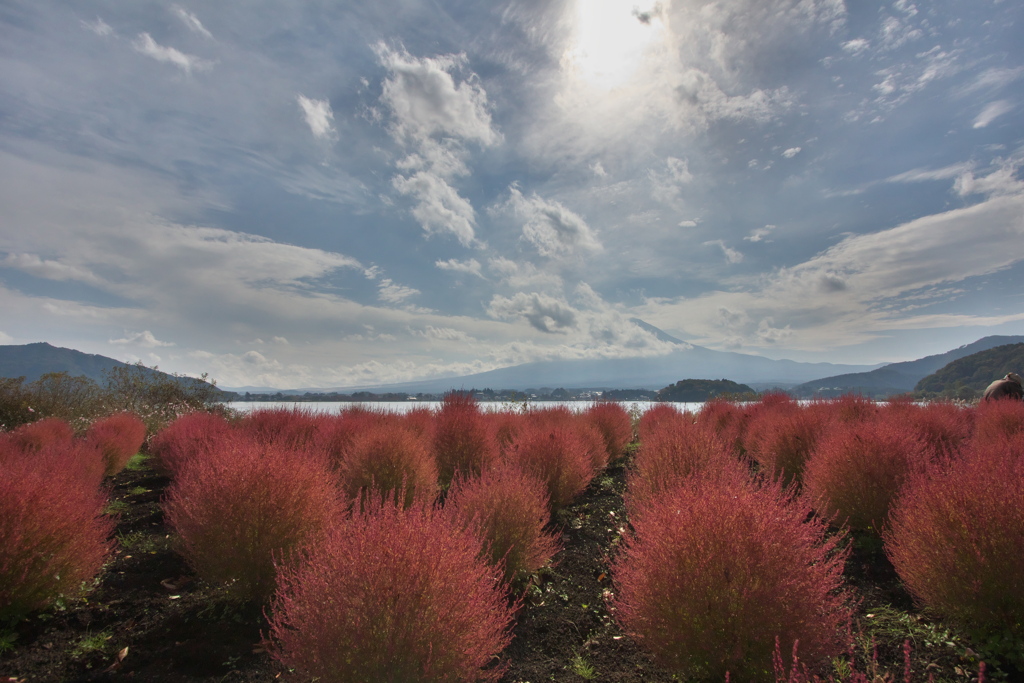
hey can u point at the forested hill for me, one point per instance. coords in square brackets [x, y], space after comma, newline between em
[32, 361]
[967, 377]
[697, 390]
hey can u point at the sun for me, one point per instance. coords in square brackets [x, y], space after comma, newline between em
[610, 41]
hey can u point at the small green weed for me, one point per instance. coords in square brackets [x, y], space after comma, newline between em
[139, 542]
[139, 461]
[116, 507]
[94, 642]
[7, 638]
[137, 490]
[582, 668]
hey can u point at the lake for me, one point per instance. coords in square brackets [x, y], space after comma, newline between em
[335, 407]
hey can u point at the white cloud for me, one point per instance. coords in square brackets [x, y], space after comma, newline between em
[925, 174]
[426, 101]
[991, 112]
[471, 266]
[1000, 182]
[394, 293]
[551, 228]
[731, 255]
[791, 152]
[319, 117]
[144, 339]
[758, 234]
[439, 207]
[447, 334]
[99, 27]
[856, 46]
[49, 269]
[191, 21]
[544, 313]
[145, 44]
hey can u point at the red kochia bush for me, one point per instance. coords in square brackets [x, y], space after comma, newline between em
[944, 426]
[53, 536]
[464, 441]
[713, 573]
[246, 506]
[191, 436]
[727, 419]
[75, 458]
[781, 436]
[999, 421]
[294, 427]
[657, 414]
[35, 435]
[394, 594]
[557, 454]
[857, 469]
[388, 458]
[508, 510]
[615, 425]
[118, 437]
[672, 452]
[956, 538]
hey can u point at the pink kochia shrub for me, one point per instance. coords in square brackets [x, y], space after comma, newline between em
[956, 538]
[118, 437]
[713, 573]
[660, 413]
[615, 426]
[672, 452]
[389, 459]
[556, 453]
[53, 535]
[508, 510]
[191, 436]
[999, 421]
[463, 439]
[944, 426]
[245, 507]
[75, 458]
[399, 595]
[781, 436]
[857, 469]
[293, 428]
[33, 436]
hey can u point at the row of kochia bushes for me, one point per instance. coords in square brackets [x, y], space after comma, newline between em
[391, 547]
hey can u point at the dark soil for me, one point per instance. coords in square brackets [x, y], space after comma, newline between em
[148, 619]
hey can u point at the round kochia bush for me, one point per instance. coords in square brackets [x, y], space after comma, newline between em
[558, 454]
[464, 441]
[246, 506]
[615, 425]
[388, 458]
[957, 541]
[53, 535]
[193, 435]
[508, 509]
[118, 437]
[394, 595]
[857, 469]
[713, 572]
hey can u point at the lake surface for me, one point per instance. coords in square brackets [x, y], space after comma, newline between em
[335, 407]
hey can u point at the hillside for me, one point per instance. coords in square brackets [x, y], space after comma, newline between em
[32, 361]
[896, 378]
[698, 390]
[967, 377]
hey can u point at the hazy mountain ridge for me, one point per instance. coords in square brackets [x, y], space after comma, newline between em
[899, 377]
[967, 377]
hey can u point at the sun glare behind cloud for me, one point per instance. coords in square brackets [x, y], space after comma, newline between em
[610, 42]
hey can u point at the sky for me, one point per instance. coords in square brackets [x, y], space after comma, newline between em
[333, 194]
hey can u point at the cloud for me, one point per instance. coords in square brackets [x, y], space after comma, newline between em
[731, 255]
[426, 101]
[394, 293]
[99, 27]
[791, 152]
[543, 312]
[439, 207]
[856, 46]
[924, 174]
[49, 269]
[471, 266]
[550, 227]
[319, 117]
[991, 112]
[758, 234]
[145, 44]
[447, 334]
[144, 339]
[1000, 182]
[191, 21]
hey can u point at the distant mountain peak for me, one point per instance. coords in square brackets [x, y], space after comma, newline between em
[662, 335]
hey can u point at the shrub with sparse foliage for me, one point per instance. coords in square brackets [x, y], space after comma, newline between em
[394, 595]
[713, 573]
[509, 510]
[245, 507]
